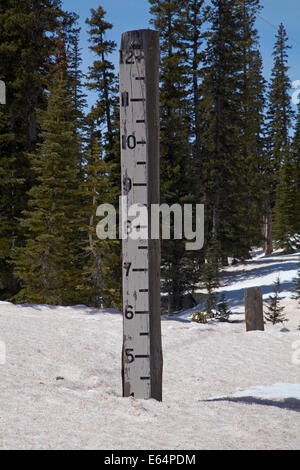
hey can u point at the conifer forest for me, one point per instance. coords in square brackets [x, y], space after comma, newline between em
[229, 139]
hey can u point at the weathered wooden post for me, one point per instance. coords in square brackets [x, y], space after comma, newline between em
[139, 119]
[2, 92]
[254, 309]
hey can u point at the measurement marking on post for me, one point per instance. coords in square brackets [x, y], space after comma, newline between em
[125, 99]
[139, 116]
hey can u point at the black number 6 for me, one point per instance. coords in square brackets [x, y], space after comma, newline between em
[129, 312]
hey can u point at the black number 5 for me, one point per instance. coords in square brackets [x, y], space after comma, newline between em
[129, 356]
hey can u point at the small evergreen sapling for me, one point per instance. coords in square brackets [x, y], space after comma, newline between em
[296, 289]
[223, 311]
[211, 277]
[199, 317]
[274, 312]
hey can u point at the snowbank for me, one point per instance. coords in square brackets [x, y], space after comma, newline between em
[223, 388]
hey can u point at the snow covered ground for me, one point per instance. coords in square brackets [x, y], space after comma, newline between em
[223, 388]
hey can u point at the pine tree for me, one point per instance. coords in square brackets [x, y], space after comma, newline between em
[101, 76]
[251, 99]
[280, 116]
[286, 224]
[192, 19]
[47, 265]
[232, 99]
[274, 311]
[296, 178]
[297, 286]
[287, 210]
[280, 113]
[76, 76]
[103, 119]
[99, 285]
[26, 48]
[180, 269]
[210, 280]
[210, 276]
[223, 311]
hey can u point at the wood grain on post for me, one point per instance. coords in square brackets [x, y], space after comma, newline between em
[2, 92]
[139, 84]
[254, 309]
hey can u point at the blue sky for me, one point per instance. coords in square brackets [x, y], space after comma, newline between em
[126, 15]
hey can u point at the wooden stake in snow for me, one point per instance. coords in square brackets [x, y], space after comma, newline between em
[2, 92]
[254, 309]
[139, 118]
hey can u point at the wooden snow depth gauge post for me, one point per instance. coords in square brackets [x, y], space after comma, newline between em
[139, 119]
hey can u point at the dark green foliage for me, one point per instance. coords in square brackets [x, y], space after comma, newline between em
[210, 276]
[180, 269]
[281, 157]
[76, 76]
[199, 316]
[287, 209]
[232, 106]
[274, 312]
[296, 177]
[103, 172]
[58, 165]
[26, 53]
[101, 77]
[223, 311]
[48, 263]
[279, 113]
[99, 285]
[297, 287]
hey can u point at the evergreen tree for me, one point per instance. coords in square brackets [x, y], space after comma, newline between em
[296, 177]
[76, 76]
[297, 287]
[103, 119]
[26, 52]
[232, 104]
[286, 224]
[48, 264]
[210, 276]
[101, 76]
[210, 279]
[279, 123]
[180, 269]
[280, 112]
[192, 19]
[251, 99]
[99, 286]
[287, 209]
[223, 311]
[274, 311]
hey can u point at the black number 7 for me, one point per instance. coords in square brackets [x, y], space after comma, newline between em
[127, 266]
